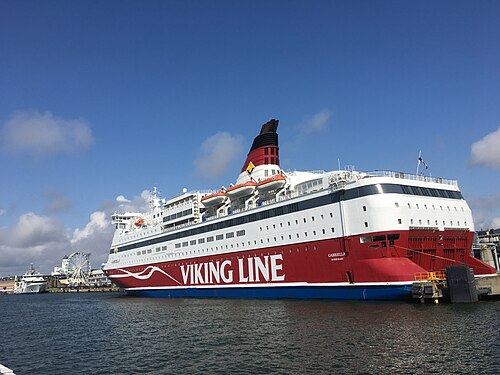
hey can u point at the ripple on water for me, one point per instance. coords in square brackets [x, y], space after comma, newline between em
[111, 334]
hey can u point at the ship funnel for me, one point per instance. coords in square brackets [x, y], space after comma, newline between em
[263, 158]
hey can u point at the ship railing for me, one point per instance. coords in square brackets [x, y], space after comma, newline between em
[410, 176]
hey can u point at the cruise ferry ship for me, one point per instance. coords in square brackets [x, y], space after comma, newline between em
[341, 234]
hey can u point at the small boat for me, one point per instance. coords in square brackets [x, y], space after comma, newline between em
[214, 199]
[30, 282]
[139, 222]
[273, 183]
[241, 190]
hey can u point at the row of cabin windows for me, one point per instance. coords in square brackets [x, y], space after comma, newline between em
[228, 246]
[420, 222]
[297, 221]
[209, 239]
[425, 207]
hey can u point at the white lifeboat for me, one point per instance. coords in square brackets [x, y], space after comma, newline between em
[273, 183]
[215, 199]
[241, 190]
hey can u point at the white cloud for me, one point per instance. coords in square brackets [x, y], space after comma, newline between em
[122, 199]
[42, 134]
[33, 239]
[2, 211]
[316, 122]
[43, 240]
[486, 152]
[217, 154]
[98, 221]
[485, 210]
[495, 223]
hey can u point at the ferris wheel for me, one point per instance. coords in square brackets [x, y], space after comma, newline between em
[78, 268]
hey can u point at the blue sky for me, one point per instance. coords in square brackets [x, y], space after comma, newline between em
[104, 99]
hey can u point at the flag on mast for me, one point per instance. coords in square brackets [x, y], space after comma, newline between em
[421, 161]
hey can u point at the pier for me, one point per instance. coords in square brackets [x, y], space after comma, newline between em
[456, 285]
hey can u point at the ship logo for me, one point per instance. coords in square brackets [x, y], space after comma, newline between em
[144, 274]
[250, 167]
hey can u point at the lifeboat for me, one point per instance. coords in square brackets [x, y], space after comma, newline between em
[139, 222]
[215, 199]
[273, 183]
[241, 190]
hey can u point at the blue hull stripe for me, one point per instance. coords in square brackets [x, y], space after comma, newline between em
[392, 292]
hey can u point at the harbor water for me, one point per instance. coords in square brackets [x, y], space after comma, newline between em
[108, 333]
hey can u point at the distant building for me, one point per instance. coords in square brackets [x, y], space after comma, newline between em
[98, 278]
[64, 269]
[487, 247]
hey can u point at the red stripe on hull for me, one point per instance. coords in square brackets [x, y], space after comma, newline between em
[371, 258]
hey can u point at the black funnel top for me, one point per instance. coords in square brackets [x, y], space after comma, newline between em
[267, 135]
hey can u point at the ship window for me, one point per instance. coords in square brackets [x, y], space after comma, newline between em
[177, 245]
[296, 222]
[219, 237]
[366, 224]
[333, 230]
[201, 240]
[266, 151]
[184, 244]
[323, 231]
[272, 150]
[289, 236]
[304, 220]
[266, 160]
[143, 252]
[297, 235]
[240, 233]
[158, 249]
[230, 235]
[266, 173]
[314, 232]
[164, 248]
[312, 218]
[138, 253]
[364, 208]
[396, 204]
[331, 214]
[210, 239]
